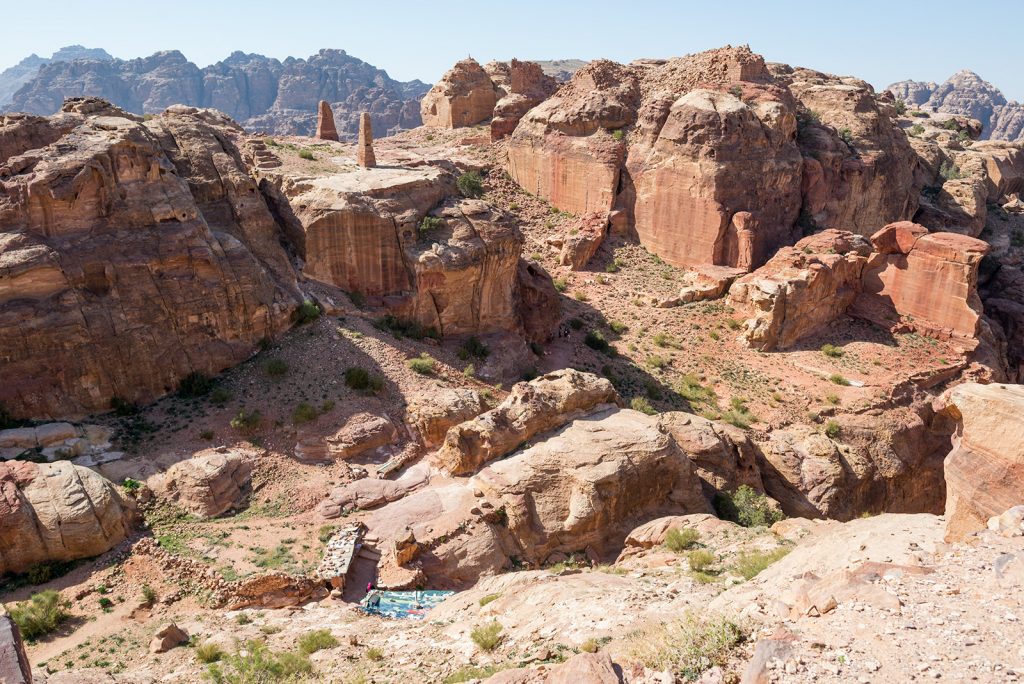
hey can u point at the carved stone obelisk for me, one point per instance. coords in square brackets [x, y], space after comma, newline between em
[325, 128]
[366, 157]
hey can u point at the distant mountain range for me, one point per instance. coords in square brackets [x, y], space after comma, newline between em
[261, 93]
[24, 71]
[967, 94]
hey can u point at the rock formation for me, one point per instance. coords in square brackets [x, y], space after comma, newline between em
[985, 470]
[464, 96]
[430, 416]
[578, 489]
[13, 78]
[133, 255]
[210, 483]
[14, 663]
[262, 93]
[365, 152]
[909, 277]
[56, 512]
[520, 87]
[325, 128]
[532, 407]
[932, 279]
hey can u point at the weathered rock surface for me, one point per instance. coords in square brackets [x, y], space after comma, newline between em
[985, 470]
[801, 289]
[56, 512]
[520, 87]
[543, 404]
[132, 255]
[262, 93]
[858, 171]
[369, 492]
[583, 668]
[464, 96]
[431, 415]
[585, 237]
[167, 637]
[14, 664]
[210, 483]
[908, 277]
[931, 279]
[361, 433]
[723, 455]
[583, 487]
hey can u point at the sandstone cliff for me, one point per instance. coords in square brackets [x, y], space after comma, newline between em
[133, 255]
[262, 93]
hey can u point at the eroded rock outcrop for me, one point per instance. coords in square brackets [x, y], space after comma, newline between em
[531, 408]
[56, 512]
[210, 483]
[520, 87]
[133, 254]
[908, 277]
[985, 470]
[583, 487]
[14, 664]
[464, 96]
[801, 289]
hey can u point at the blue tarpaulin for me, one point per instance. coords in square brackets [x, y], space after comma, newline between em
[410, 605]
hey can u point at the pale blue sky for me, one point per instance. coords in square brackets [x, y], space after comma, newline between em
[878, 41]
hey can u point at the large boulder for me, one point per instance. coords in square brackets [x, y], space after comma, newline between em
[580, 490]
[985, 470]
[131, 254]
[932, 279]
[520, 86]
[57, 512]
[542, 404]
[464, 96]
[801, 289]
[430, 416]
[724, 456]
[210, 483]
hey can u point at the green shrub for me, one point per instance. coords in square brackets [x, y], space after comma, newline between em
[596, 341]
[475, 348]
[838, 379]
[679, 540]
[560, 284]
[41, 573]
[276, 368]
[916, 130]
[148, 594]
[832, 429]
[738, 414]
[642, 405]
[255, 663]
[700, 560]
[195, 384]
[317, 640]
[658, 362]
[736, 91]
[470, 184]
[618, 134]
[423, 364]
[246, 421]
[488, 636]
[590, 646]
[613, 266]
[375, 654]
[209, 652]
[361, 379]
[410, 329]
[617, 327]
[106, 604]
[307, 312]
[746, 507]
[831, 351]
[949, 171]
[306, 154]
[130, 485]
[304, 413]
[430, 223]
[687, 647]
[42, 614]
[488, 599]
[468, 673]
[220, 396]
[695, 393]
[750, 563]
[901, 107]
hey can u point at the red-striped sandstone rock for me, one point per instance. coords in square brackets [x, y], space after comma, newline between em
[131, 254]
[910, 277]
[56, 512]
[985, 470]
[464, 96]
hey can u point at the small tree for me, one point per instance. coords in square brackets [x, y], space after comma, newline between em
[470, 184]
